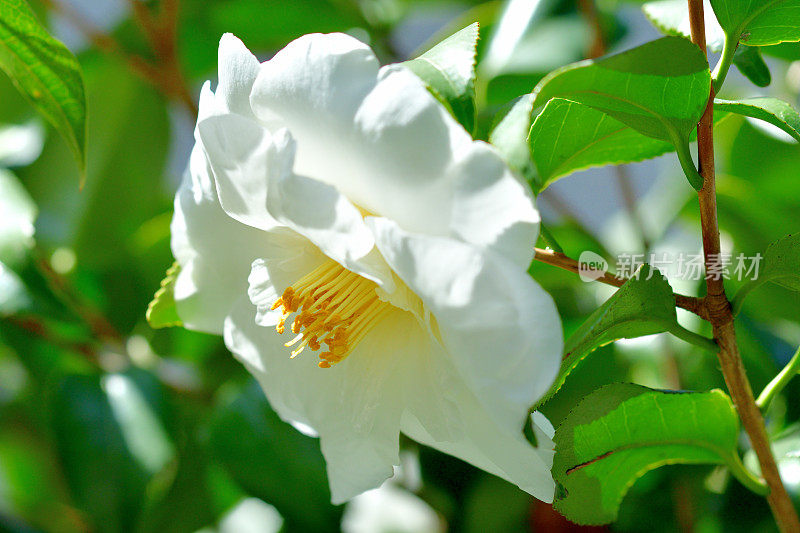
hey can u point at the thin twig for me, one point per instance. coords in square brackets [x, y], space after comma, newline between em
[719, 308]
[556, 259]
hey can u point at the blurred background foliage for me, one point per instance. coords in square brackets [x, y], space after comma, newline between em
[108, 425]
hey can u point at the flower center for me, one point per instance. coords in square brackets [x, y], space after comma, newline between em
[334, 307]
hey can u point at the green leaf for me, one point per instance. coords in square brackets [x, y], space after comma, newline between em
[780, 264]
[111, 443]
[510, 137]
[272, 461]
[671, 17]
[45, 72]
[772, 110]
[120, 253]
[640, 307]
[759, 22]
[448, 69]
[750, 63]
[660, 89]
[162, 313]
[568, 136]
[621, 431]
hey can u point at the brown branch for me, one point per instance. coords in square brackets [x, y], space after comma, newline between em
[719, 308]
[588, 9]
[689, 303]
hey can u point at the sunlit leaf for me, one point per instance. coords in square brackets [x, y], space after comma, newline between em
[162, 313]
[510, 137]
[759, 22]
[448, 69]
[568, 136]
[660, 89]
[773, 110]
[645, 305]
[621, 431]
[45, 71]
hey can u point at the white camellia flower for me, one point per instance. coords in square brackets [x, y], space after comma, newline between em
[339, 200]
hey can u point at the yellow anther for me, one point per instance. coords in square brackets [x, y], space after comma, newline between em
[334, 307]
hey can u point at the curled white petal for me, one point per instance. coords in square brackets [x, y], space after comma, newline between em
[501, 328]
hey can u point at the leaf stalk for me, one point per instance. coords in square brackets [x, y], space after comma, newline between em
[745, 477]
[780, 381]
[724, 63]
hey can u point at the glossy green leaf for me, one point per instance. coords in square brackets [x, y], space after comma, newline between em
[45, 72]
[510, 137]
[759, 22]
[621, 431]
[568, 136]
[645, 305]
[750, 63]
[671, 17]
[272, 461]
[448, 69]
[162, 313]
[660, 89]
[773, 110]
[780, 264]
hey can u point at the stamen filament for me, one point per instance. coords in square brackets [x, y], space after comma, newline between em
[335, 307]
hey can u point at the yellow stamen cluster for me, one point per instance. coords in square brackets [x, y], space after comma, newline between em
[334, 307]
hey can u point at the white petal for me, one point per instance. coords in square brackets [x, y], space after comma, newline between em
[314, 84]
[501, 328]
[287, 258]
[422, 170]
[473, 434]
[244, 157]
[355, 406]
[491, 207]
[327, 218]
[387, 144]
[214, 251]
[238, 69]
